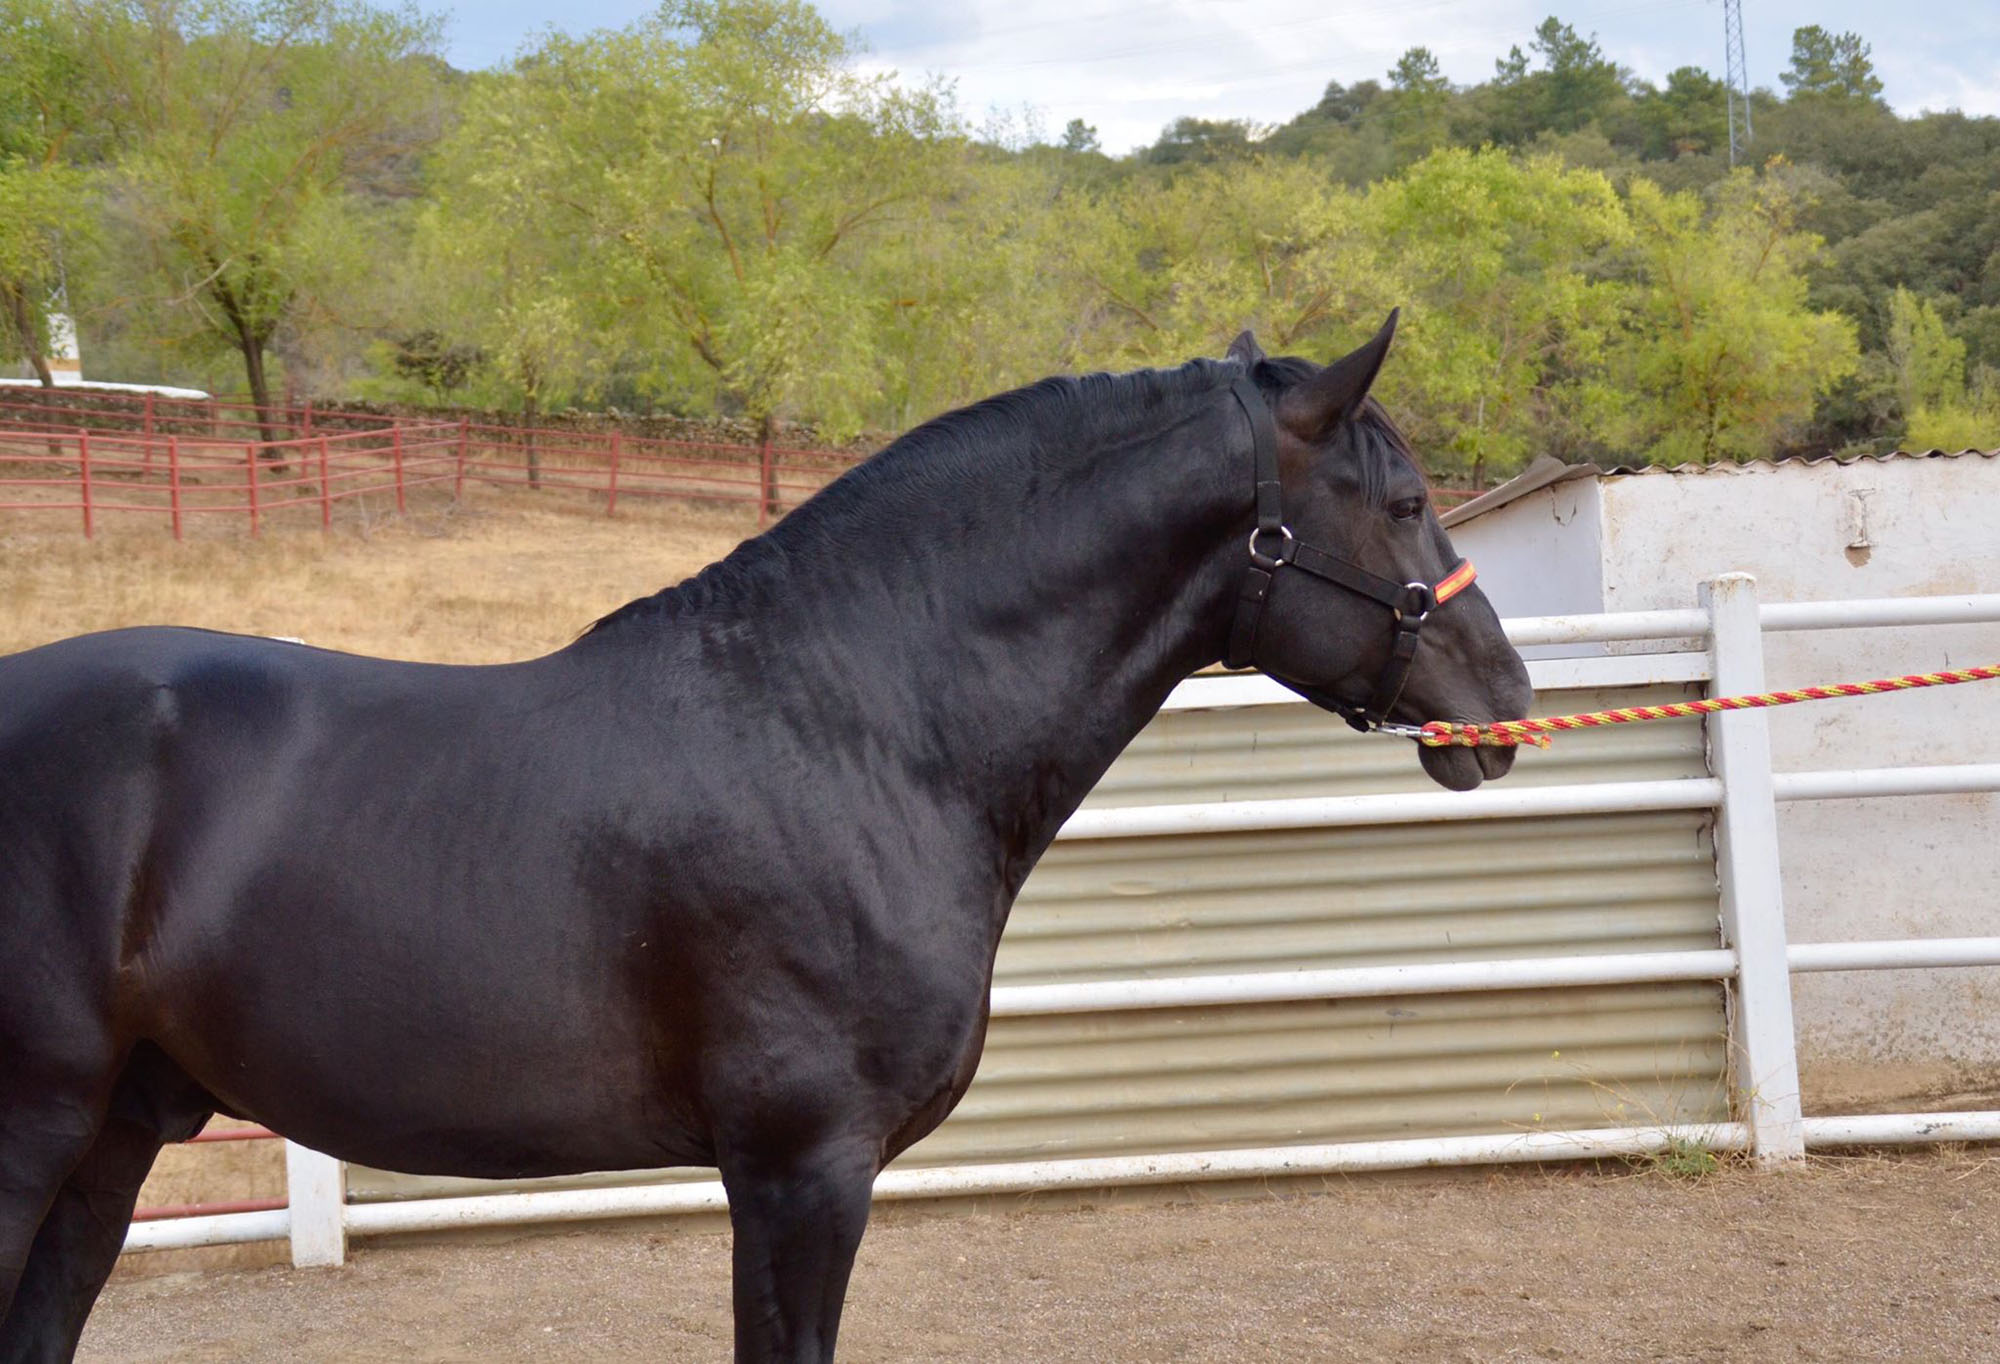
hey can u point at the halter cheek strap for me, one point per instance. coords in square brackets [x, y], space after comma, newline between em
[1273, 546]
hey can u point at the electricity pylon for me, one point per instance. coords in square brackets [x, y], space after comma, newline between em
[1736, 77]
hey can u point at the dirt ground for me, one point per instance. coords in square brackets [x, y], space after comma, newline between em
[1870, 1258]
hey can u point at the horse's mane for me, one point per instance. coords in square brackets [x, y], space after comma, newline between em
[895, 492]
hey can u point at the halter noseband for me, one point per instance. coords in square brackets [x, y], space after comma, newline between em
[1273, 546]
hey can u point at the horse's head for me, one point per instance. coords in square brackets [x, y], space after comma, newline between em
[1366, 609]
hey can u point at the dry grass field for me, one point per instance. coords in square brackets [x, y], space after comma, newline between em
[504, 576]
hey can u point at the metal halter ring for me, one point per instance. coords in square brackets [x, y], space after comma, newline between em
[1266, 561]
[1425, 595]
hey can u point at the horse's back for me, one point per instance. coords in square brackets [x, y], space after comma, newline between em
[95, 730]
[141, 771]
[83, 727]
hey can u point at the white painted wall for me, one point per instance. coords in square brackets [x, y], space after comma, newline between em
[1920, 867]
[1540, 555]
[1915, 867]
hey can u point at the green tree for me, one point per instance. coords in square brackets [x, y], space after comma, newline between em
[243, 124]
[1940, 410]
[1198, 141]
[1576, 85]
[45, 206]
[1417, 72]
[1507, 102]
[1348, 103]
[974, 297]
[1830, 66]
[1079, 136]
[1689, 116]
[1177, 267]
[1727, 349]
[1351, 133]
[1419, 103]
[496, 266]
[728, 176]
[41, 209]
[1499, 261]
[1929, 361]
[433, 360]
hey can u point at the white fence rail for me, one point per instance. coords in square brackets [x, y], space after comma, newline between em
[1754, 957]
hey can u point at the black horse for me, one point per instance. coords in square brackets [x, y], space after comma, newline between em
[718, 884]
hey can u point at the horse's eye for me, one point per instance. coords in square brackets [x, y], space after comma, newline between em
[1408, 509]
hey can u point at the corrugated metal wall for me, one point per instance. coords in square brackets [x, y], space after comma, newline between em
[1319, 1071]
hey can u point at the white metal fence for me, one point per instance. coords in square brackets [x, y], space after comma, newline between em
[1753, 957]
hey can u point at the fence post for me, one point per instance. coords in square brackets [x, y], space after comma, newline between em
[767, 494]
[396, 449]
[83, 471]
[250, 458]
[316, 1188]
[1764, 1069]
[149, 419]
[464, 440]
[325, 490]
[174, 482]
[611, 497]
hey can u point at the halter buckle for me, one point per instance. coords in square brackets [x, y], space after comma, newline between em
[1419, 600]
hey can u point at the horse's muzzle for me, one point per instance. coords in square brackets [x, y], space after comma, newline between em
[1461, 769]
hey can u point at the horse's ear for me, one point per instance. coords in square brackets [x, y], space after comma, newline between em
[1312, 409]
[1246, 350]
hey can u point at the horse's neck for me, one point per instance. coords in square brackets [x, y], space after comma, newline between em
[1002, 640]
[1072, 617]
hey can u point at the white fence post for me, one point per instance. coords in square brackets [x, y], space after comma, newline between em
[1764, 1070]
[316, 1186]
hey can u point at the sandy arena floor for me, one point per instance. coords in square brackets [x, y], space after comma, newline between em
[1863, 1259]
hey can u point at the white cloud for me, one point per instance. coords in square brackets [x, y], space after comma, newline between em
[1132, 66]
[1969, 94]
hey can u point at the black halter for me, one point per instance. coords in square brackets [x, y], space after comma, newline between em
[1273, 546]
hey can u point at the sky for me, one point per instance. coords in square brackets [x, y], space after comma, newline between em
[1130, 67]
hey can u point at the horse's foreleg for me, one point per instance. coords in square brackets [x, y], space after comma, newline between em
[83, 1231]
[797, 1221]
[76, 1247]
[41, 1140]
[54, 1082]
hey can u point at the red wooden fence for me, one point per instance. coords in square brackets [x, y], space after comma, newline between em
[92, 473]
[92, 455]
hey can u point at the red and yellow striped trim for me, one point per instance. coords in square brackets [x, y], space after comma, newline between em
[1510, 733]
[1455, 582]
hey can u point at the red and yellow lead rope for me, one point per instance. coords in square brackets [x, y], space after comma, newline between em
[1510, 733]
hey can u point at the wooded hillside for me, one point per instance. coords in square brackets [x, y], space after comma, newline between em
[713, 212]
